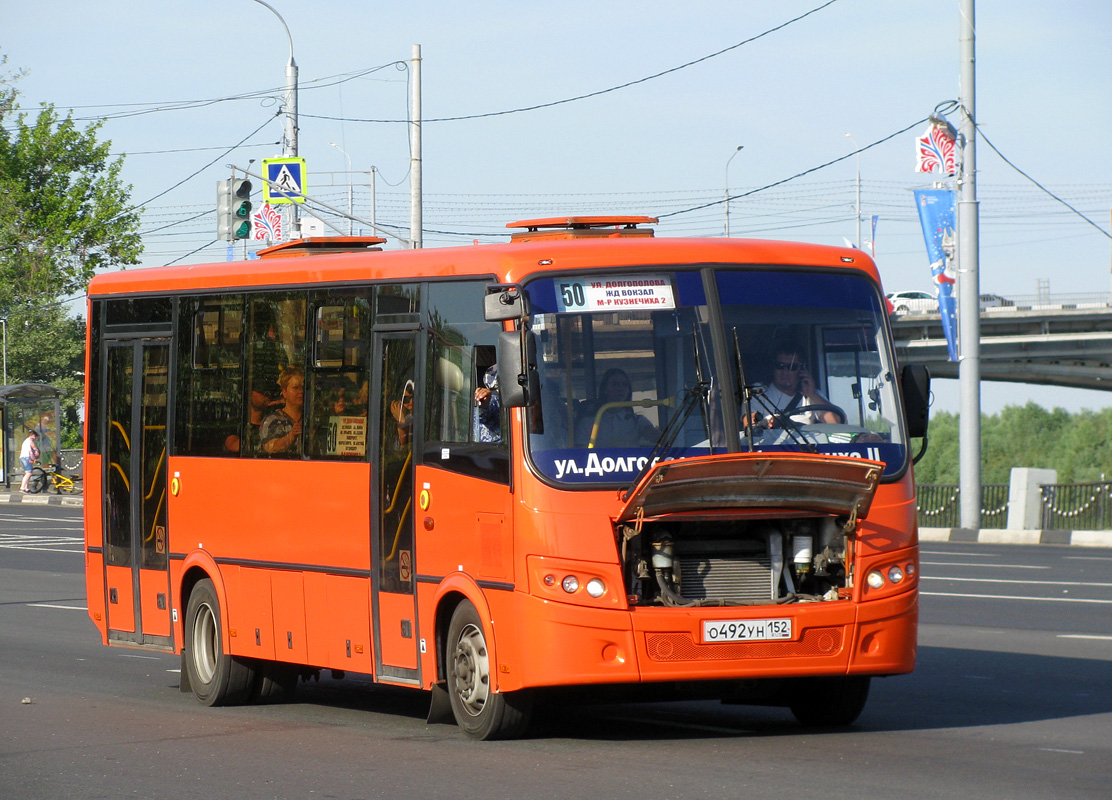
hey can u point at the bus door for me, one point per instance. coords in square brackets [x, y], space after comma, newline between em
[136, 544]
[393, 562]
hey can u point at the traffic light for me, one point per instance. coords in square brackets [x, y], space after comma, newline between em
[233, 209]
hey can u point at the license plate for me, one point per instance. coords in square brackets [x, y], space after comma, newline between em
[746, 630]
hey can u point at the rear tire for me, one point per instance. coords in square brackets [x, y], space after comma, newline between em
[37, 482]
[275, 682]
[829, 702]
[217, 679]
[479, 711]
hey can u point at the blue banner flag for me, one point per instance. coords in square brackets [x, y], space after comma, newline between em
[936, 213]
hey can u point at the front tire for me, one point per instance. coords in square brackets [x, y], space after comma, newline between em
[829, 702]
[217, 679]
[480, 711]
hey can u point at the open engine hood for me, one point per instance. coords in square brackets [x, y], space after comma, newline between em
[788, 481]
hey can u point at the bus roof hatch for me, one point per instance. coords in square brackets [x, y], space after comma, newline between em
[581, 228]
[323, 245]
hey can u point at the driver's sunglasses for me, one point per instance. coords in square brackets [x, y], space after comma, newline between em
[793, 366]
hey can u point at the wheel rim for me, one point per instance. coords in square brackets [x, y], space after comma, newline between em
[205, 643]
[472, 670]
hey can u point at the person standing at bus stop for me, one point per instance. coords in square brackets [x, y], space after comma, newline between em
[28, 455]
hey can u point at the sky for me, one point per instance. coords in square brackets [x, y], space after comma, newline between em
[533, 109]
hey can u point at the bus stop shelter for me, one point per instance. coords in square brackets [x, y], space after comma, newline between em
[25, 407]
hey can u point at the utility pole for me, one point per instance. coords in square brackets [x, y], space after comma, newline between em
[857, 207]
[415, 221]
[969, 291]
[740, 147]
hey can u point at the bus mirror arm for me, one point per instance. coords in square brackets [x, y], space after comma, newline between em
[504, 301]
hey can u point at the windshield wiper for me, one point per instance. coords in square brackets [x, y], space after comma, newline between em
[744, 393]
[697, 393]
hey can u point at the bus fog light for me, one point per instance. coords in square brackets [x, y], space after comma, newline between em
[596, 588]
[549, 580]
[875, 579]
[895, 574]
[910, 570]
[570, 584]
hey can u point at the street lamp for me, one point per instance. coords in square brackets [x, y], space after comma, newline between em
[858, 205]
[351, 219]
[289, 137]
[740, 147]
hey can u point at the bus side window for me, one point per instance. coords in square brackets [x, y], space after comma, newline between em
[461, 350]
[275, 370]
[336, 401]
[209, 406]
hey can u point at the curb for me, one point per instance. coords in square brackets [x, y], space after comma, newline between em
[16, 497]
[985, 536]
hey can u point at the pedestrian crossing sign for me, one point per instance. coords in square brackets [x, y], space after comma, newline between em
[285, 180]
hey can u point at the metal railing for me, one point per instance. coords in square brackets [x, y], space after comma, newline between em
[1076, 506]
[939, 505]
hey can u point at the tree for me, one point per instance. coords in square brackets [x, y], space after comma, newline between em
[64, 214]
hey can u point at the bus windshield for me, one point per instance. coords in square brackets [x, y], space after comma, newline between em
[650, 364]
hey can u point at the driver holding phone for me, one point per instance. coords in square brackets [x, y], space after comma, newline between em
[792, 387]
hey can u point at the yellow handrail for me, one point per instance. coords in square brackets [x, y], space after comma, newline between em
[668, 401]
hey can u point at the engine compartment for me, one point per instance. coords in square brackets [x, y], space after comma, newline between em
[761, 560]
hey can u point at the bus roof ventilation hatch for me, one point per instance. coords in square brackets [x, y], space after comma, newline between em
[581, 228]
[323, 245]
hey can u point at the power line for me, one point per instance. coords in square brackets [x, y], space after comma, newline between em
[1028, 177]
[598, 93]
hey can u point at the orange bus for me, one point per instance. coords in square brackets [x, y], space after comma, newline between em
[489, 472]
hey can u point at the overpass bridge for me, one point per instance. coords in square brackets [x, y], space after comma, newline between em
[1053, 340]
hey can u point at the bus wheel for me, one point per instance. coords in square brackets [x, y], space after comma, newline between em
[217, 679]
[479, 711]
[829, 702]
[274, 682]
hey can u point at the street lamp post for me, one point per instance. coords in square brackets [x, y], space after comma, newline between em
[740, 147]
[857, 206]
[289, 137]
[351, 218]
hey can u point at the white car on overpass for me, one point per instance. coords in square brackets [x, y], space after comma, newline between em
[912, 302]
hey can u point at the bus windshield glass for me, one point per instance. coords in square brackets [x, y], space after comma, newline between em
[651, 364]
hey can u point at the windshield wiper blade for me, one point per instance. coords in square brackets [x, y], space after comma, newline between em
[696, 393]
[744, 393]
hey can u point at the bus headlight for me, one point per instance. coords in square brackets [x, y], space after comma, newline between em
[895, 574]
[570, 584]
[874, 579]
[596, 588]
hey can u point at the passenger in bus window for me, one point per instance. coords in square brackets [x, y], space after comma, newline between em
[791, 387]
[402, 412]
[281, 431]
[267, 360]
[619, 425]
[488, 408]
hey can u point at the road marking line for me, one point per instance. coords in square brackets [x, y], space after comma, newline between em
[53, 605]
[1012, 580]
[980, 566]
[1017, 597]
[1059, 750]
[1084, 636]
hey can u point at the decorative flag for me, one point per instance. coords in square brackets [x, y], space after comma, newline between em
[935, 151]
[267, 224]
[936, 213]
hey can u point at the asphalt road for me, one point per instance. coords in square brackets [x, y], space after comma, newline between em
[1012, 698]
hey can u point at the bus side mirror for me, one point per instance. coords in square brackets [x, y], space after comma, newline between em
[518, 383]
[504, 301]
[915, 381]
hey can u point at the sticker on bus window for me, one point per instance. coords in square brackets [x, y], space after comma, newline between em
[617, 293]
[347, 436]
